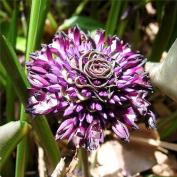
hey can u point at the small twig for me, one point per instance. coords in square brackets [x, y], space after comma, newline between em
[156, 143]
[60, 168]
[72, 166]
[41, 163]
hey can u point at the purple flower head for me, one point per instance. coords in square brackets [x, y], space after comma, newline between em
[96, 82]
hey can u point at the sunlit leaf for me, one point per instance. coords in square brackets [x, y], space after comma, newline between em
[21, 43]
[52, 20]
[10, 134]
[163, 75]
[36, 25]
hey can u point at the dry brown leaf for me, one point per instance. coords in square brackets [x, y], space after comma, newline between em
[167, 165]
[116, 158]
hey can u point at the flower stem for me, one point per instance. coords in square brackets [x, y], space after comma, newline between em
[83, 155]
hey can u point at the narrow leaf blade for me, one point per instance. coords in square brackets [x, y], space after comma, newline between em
[15, 71]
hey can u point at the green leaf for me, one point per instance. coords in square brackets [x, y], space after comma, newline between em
[21, 43]
[168, 126]
[15, 71]
[36, 25]
[46, 140]
[40, 124]
[10, 93]
[52, 20]
[3, 71]
[84, 22]
[22, 150]
[38, 15]
[123, 22]
[113, 16]
[7, 6]
[3, 77]
[10, 134]
[21, 159]
[160, 9]
[165, 31]
[12, 32]
[8, 167]
[4, 27]
[2, 82]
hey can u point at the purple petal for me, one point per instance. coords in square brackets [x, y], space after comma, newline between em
[121, 130]
[69, 110]
[99, 37]
[89, 118]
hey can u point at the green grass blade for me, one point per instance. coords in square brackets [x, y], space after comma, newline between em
[46, 140]
[160, 9]
[21, 157]
[2, 82]
[163, 37]
[8, 168]
[94, 9]
[123, 22]
[7, 6]
[38, 15]
[15, 71]
[2, 77]
[12, 33]
[113, 16]
[10, 134]
[3, 71]
[80, 7]
[52, 20]
[23, 18]
[10, 93]
[21, 44]
[168, 126]
[22, 148]
[121, 28]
